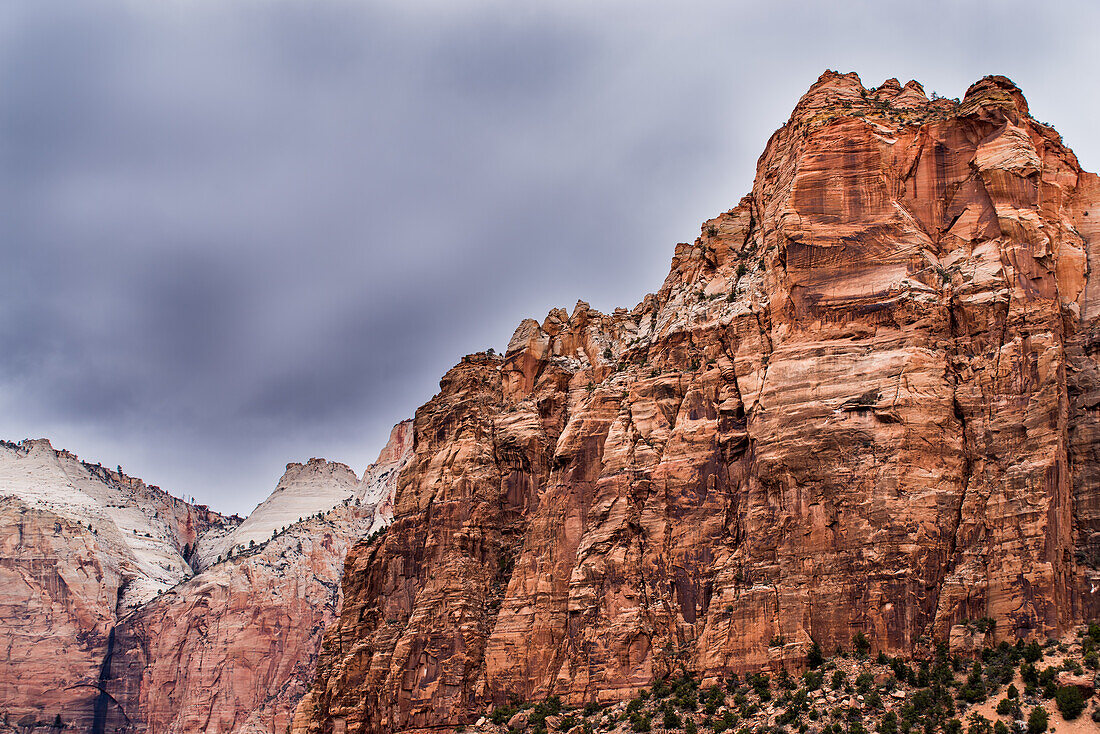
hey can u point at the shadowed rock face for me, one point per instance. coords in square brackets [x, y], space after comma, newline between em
[864, 400]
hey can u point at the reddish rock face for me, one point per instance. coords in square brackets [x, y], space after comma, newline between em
[864, 400]
[108, 629]
[233, 649]
[80, 546]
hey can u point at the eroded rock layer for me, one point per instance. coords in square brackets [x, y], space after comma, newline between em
[864, 400]
[80, 546]
[233, 649]
[128, 610]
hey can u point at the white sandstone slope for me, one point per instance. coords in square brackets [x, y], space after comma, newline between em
[380, 479]
[118, 615]
[316, 487]
[80, 546]
[304, 490]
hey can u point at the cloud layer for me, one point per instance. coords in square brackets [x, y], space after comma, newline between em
[236, 234]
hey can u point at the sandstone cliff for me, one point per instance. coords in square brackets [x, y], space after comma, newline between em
[80, 546]
[107, 626]
[233, 649]
[864, 400]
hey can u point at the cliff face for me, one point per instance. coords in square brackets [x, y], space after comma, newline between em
[80, 546]
[233, 649]
[864, 400]
[107, 625]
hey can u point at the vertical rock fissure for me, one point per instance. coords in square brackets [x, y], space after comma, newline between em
[968, 450]
[103, 699]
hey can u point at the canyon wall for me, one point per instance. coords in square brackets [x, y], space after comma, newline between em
[864, 400]
[80, 546]
[128, 610]
[233, 649]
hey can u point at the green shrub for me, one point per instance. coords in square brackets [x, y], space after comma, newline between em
[501, 715]
[1033, 653]
[974, 689]
[1037, 721]
[759, 681]
[814, 657]
[979, 725]
[689, 726]
[725, 723]
[1070, 702]
[985, 624]
[1005, 707]
[1046, 677]
[861, 644]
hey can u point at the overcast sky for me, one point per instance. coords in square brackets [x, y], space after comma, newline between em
[236, 234]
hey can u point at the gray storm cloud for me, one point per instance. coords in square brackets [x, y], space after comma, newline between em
[237, 234]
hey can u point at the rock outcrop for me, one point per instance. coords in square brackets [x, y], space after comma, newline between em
[233, 649]
[109, 628]
[80, 546]
[863, 401]
[317, 486]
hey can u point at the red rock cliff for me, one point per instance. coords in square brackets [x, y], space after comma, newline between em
[864, 400]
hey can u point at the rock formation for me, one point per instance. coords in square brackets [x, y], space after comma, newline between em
[234, 648]
[107, 626]
[864, 400]
[80, 546]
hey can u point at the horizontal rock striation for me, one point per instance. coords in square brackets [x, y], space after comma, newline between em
[107, 625]
[864, 400]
